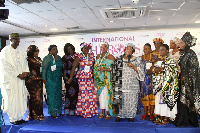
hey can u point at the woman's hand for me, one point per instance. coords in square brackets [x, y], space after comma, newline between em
[158, 70]
[101, 69]
[69, 81]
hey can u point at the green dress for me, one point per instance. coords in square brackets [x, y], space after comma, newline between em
[54, 84]
[103, 79]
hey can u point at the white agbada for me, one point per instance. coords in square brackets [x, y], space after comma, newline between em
[14, 93]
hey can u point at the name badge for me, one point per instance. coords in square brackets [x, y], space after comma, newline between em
[148, 65]
[158, 64]
[53, 68]
[87, 68]
[40, 69]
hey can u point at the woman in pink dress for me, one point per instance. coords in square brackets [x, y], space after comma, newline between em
[87, 100]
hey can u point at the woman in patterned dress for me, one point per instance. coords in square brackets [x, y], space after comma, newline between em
[165, 80]
[128, 70]
[103, 83]
[72, 88]
[175, 53]
[34, 84]
[87, 100]
[52, 77]
[148, 99]
[189, 100]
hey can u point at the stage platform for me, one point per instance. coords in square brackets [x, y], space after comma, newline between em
[77, 124]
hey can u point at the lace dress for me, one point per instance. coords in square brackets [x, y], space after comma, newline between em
[54, 84]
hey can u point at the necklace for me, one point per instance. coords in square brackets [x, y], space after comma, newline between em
[87, 58]
[149, 57]
[101, 59]
[38, 60]
[162, 57]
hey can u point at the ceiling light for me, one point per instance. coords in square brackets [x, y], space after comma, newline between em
[111, 21]
[46, 25]
[197, 21]
[158, 19]
[53, 29]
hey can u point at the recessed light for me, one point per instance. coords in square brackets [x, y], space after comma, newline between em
[197, 21]
[53, 29]
[158, 19]
[46, 25]
[111, 21]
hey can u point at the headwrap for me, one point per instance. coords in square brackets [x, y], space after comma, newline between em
[176, 40]
[158, 40]
[50, 47]
[106, 43]
[30, 50]
[13, 35]
[166, 46]
[130, 44]
[85, 44]
[189, 39]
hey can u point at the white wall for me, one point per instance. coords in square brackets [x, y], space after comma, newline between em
[116, 41]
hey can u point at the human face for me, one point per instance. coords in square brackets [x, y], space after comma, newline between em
[163, 51]
[146, 49]
[172, 44]
[70, 51]
[85, 50]
[129, 50]
[157, 44]
[15, 41]
[36, 53]
[54, 51]
[182, 44]
[103, 48]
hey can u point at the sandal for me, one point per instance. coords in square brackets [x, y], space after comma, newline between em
[157, 120]
[108, 117]
[101, 116]
[151, 118]
[144, 117]
[163, 122]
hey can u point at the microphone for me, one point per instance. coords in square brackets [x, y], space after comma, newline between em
[129, 56]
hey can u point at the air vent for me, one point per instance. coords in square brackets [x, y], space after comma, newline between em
[124, 13]
[27, 1]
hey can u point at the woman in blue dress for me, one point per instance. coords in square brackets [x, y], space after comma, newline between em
[52, 77]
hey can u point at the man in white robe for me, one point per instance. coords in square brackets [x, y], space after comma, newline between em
[13, 71]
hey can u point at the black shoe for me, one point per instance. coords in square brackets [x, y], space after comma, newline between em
[16, 123]
[131, 119]
[22, 121]
[118, 119]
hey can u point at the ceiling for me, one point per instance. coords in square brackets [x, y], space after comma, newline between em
[55, 17]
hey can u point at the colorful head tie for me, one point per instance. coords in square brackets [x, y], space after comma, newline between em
[106, 43]
[189, 39]
[85, 44]
[176, 40]
[158, 40]
[130, 44]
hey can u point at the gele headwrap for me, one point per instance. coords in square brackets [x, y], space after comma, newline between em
[176, 40]
[189, 39]
[158, 40]
[106, 43]
[85, 44]
[130, 44]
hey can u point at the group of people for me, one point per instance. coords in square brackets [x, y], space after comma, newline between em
[166, 81]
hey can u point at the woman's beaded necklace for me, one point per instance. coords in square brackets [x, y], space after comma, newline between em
[101, 59]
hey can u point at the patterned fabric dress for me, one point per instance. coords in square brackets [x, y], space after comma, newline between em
[54, 84]
[147, 87]
[103, 81]
[35, 88]
[127, 86]
[189, 102]
[72, 88]
[166, 89]
[87, 100]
